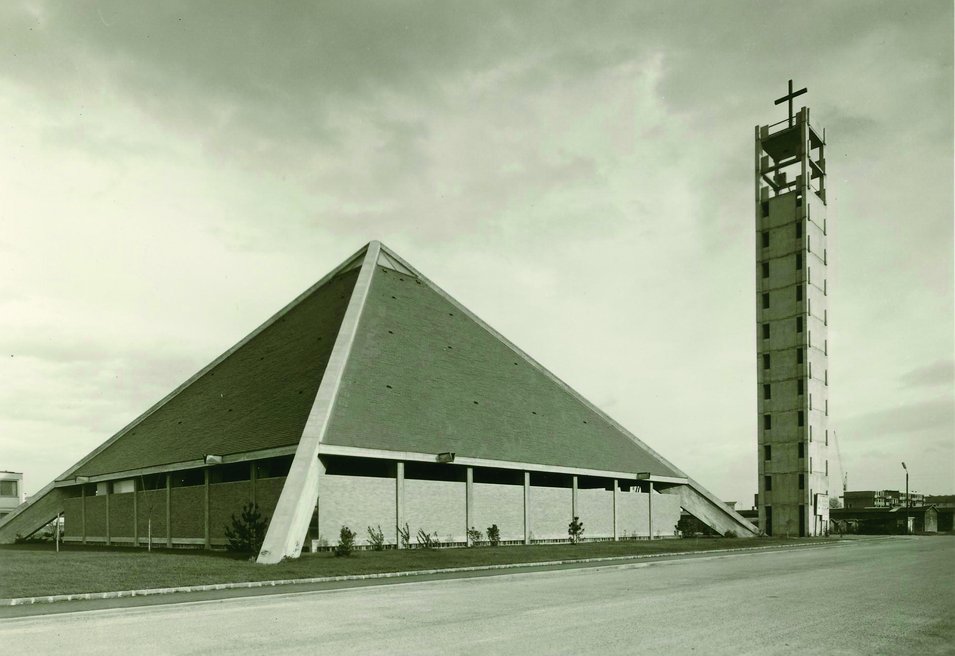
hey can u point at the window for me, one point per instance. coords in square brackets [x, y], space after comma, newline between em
[8, 489]
[800, 418]
[801, 448]
[825, 376]
[798, 324]
[798, 261]
[766, 300]
[768, 483]
[800, 387]
[827, 467]
[765, 360]
[765, 269]
[765, 207]
[767, 393]
[798, 229]
[799, 356]
[827, 437]
[765, 238]
[798, 292]
[767, 452]
[765, 331]
[767, 422]
[802, 481]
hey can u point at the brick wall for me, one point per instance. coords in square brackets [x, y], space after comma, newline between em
[437, 507]
[595, 509]
[152, 504]
[188, 512]
[357, 502]
[121, 516]
[500, 504]
[73, 517]
[224, 500]
[267, 492]
[550, 512]
[96, 517]
[632, 517]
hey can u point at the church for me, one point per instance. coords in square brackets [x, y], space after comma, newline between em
[374, 399]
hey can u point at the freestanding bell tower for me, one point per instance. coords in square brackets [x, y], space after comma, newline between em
[791, 315]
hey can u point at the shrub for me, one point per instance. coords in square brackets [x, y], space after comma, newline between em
[730, 534]
[493, 535]
[405, 536]
[247, 531]
[376, 538]
[427, 540]
[575, 530]
[346, 542]
[474, 536]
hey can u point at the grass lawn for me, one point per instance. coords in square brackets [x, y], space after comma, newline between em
[36, 570]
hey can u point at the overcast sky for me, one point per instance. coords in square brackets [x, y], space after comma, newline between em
[580, 175]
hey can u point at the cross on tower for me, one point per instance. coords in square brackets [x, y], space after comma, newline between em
[789, 96]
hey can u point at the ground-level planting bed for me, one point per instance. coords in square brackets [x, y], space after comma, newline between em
[37, 570]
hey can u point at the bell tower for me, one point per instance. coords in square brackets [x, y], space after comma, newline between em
[792, 318]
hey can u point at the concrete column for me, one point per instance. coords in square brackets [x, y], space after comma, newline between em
[169, 510]
[399, 501]
[83, 511]
[206, 540]
[615, 486]
[318, 501]
[135, 515]
[109, 493]
[573, 496]
[469, 502]
[527, 499]
[650, 508]
[252, 476]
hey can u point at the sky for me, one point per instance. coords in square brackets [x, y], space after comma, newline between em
[579, 175]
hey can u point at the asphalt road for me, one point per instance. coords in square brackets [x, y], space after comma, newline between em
[886, 596]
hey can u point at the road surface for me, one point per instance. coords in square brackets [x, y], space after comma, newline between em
[884, 596]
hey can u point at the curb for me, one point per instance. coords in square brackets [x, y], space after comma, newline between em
[120, 594]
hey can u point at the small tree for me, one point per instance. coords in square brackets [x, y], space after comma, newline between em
[493, 535]
[346, 542]
[247, 531]
[404, 534]
[474, 536]
[376, 538]
[427, 540]
[575, 530]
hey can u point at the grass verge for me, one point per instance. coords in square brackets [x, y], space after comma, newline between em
[37, 570]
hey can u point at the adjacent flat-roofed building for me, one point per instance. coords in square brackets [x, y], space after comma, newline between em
[11, 492]
[373, 399]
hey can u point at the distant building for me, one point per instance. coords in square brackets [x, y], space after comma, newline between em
[945, 504]
[882, 499]
[885, 521]
[11, 491]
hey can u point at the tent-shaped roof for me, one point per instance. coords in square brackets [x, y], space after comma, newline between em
[422, 375]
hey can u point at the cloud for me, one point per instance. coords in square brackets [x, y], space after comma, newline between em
[939, 373]
[929, 415]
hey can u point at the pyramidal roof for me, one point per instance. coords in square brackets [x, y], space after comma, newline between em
[376, 357]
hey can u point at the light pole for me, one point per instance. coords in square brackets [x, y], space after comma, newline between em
[907, 504]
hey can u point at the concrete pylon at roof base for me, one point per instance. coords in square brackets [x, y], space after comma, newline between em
[374, 398]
